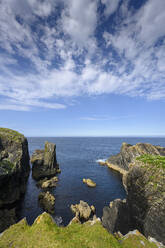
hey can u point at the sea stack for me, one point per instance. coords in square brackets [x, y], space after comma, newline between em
[44, 163]
[14, 171]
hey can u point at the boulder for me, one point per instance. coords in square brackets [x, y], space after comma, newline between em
[83, 211]
[14, 171]
[48, 183]
[44, 163]
[47, 201]
[129, 152]
[89, 182]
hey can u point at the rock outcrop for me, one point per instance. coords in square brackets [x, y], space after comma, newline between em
[89, 182]
[83, 211]
[44, 163]
[47, 183]
[144, 182]
[129, 152]
[14, 171]
[47, 201]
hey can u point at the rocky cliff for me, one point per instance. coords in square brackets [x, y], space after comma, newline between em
[144, 208]
[14, 171]
[44, 162]
[129, 152]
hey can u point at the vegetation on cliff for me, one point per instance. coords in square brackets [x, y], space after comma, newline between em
[45, 233]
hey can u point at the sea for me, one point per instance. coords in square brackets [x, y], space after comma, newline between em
[79, 158]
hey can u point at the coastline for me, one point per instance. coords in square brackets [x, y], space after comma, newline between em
[114, 167]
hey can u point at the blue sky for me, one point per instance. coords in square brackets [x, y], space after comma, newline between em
[83, 67]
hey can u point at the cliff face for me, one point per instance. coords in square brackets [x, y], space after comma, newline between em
[14, 170]
[129, 152]
[144, 181]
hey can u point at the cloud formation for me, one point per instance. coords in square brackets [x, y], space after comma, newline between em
[55, 50]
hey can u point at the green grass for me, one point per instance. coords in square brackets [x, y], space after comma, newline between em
[44, 233]
[11, 134]
[154, 171]
[154, 160]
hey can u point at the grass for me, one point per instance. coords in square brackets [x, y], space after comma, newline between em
[44, 233]
[154, 160]
[154, 166]
[11, 134]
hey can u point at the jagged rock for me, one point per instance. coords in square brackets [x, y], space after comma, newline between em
[44, 163]
[45, 183]
[89, 182]
[129, 152]
[83, 211]
[47, 201]
[14, 171]
[116, 217]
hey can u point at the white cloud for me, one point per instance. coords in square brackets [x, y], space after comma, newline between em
[79, 20]
[61, 65]
[110, 6]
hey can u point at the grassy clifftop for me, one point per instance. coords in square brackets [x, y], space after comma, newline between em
[44, 233]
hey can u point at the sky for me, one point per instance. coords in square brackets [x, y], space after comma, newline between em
[83, 67]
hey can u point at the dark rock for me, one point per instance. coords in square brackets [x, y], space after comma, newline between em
[44, 162]
[14, 171]
[116, 217]
[7, 218]
[129, 152]
[47, 201]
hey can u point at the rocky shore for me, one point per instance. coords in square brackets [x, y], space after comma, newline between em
[144, 181]
[143, 212]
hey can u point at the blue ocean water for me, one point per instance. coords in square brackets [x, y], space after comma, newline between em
[78, 159]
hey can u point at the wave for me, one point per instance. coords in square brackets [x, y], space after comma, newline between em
[101, 160]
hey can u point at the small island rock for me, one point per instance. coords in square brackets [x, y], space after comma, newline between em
[83, 211]
[89, 182]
